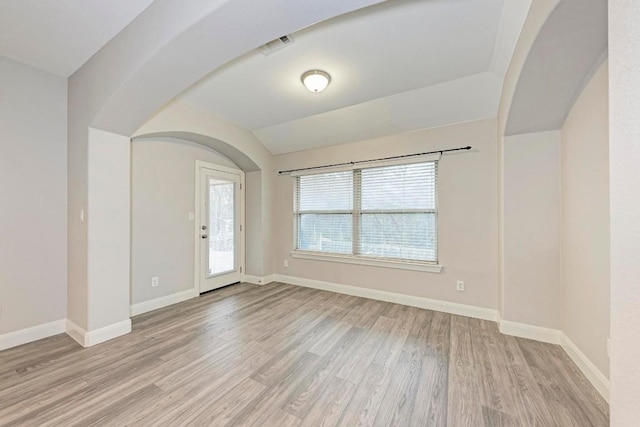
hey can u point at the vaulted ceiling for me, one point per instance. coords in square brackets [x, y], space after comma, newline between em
[398, 66]
[60, 35]
[569, 48]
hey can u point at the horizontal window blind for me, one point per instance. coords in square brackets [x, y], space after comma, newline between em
[386, 212]
[324, 211]
[398, 212]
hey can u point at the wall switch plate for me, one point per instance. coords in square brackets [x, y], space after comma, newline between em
[191, 216]
[460, 285]
[155, 281]
[608, 347]
[81, 215]
[286, 263]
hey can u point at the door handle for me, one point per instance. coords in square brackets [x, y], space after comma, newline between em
[204, 236]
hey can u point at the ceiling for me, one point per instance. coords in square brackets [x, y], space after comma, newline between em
[398, 66]
[570, 47]
[60, 35]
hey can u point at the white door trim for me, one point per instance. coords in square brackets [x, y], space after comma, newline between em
[197, 220]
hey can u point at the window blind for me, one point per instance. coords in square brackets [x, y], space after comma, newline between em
[385, 212]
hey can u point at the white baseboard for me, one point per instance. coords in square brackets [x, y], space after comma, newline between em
[555, 336]
[420, 302]
[522, 330]
[107, 333]
[154, 304]
[76, 332]
[254, 280]
[593, 374]
[257, 280]
[34, 333]
[536, 333]
[91, 338]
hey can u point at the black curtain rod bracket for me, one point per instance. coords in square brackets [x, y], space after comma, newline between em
[376, 160]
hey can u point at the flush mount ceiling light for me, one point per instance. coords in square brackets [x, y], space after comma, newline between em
[316, 80]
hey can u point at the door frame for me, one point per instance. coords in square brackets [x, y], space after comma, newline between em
[197, 220]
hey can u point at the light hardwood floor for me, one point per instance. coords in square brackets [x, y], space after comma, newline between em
[281, 355]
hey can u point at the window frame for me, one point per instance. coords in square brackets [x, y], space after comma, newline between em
[356, 212]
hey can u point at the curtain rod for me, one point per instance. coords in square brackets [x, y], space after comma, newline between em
[376, 160]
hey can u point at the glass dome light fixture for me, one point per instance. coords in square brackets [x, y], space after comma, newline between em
[316, 80]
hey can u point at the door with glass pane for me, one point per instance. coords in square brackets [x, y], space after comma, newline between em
[220, 228]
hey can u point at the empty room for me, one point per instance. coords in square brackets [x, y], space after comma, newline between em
[336, 213]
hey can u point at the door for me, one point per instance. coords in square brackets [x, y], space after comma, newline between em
[219, 227]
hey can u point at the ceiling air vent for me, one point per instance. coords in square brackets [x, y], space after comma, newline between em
[275, 45]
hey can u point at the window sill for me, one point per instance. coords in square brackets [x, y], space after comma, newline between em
[348, 259]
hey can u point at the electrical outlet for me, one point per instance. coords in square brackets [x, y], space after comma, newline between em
[286, 263]
[460, 285]
[155, 282]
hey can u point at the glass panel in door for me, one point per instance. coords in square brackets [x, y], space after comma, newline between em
[221, 227]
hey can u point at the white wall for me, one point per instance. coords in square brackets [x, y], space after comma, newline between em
[585, 221]
[468, 215]
[109, 234]
[624, 161]
[243, 147]
[162, 196]
[33, 201]
[255, 234]
[77, 192]
[537, 15]
[168, 47]
[532, 248]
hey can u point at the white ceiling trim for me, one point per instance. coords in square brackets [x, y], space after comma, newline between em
[514, 13]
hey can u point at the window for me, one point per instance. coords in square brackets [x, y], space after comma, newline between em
[373, 213]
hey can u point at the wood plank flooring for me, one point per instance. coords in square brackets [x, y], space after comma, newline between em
[280, 355]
